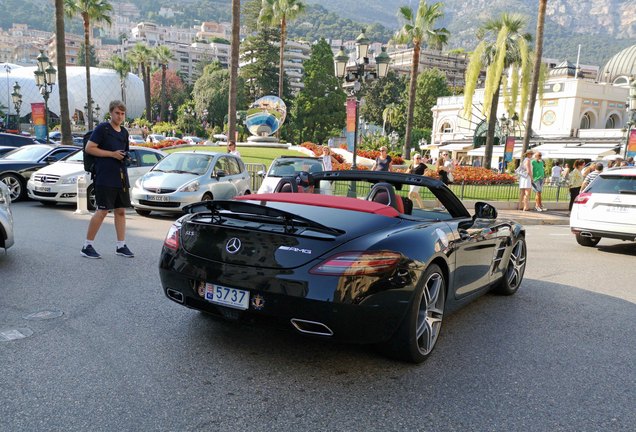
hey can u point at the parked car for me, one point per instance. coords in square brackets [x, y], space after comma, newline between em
[136, 139]
[55, 136]
[155, 138]
[16, 167]
[287, 166]
[186, 177]
[6, 218]
[5, 149]
[13, 140]
[606, 208]
[57, 183]
[368, 269]
[192, 140]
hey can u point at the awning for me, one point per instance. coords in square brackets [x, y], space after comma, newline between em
[497, 151]
[456, 146]
[552, 151]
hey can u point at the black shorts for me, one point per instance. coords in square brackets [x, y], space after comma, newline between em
[108, 198]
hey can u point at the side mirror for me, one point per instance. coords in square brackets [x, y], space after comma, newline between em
[260, 173]
[131, 162]
[485, 211]
[50, 159]
[220, 173]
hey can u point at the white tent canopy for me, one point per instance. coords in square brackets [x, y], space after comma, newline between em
[559, 151]
[497, 151]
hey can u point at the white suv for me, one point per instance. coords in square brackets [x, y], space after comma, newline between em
[606, 208]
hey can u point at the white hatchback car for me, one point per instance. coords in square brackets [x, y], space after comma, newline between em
[288, 166]
[57, 183]
[188, 177]
[606, 208]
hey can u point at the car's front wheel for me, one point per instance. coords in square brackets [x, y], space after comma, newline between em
[415, 340]
[15, 185]
[513, 274]
[587, 241]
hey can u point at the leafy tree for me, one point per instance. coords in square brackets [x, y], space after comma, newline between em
[122, 67]
[431, 84]
[380, 94]
[211, 93]
[176, 90]
[164, 55]
[81, 56]
[95, 11]
[502, 45]
[234, 62]
[278, 12]
[141, 56]
[418, 28]
[258, 54]
[319, 106]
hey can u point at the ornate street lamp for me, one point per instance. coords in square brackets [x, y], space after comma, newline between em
[45, 79]
[170, 112]
[358, 73]
[17, 101]
[631, 113]
[97, 110]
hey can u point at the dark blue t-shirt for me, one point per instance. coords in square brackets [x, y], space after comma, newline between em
[109, 171]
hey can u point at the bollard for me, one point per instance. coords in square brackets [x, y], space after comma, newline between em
[82, 197]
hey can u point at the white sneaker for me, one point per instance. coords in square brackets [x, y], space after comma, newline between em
[537, 208]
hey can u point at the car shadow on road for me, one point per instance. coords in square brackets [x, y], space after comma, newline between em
[627, 248]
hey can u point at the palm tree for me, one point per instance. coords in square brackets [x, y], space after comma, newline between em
[60, 49]
[95, 11]
[277, 13]
[122, 67]
[417, 29]
[538, 52]
[141, 56]
[502, 45]
[390, 115]
[163, 56]
[234, 60]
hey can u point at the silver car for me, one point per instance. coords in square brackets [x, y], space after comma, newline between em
[6, 218]
[187, 177]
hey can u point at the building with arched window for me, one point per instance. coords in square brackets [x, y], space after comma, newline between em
[577, 116]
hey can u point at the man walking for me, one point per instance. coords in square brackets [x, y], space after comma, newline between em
[109, 145]
[538, 177]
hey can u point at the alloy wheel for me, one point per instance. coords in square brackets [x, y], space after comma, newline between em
[430, 314]
[516, 264]
[14, 185]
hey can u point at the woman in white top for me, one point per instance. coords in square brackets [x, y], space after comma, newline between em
[327, 158]
[525, 181]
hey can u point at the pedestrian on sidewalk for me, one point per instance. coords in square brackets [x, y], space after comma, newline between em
[382, 162]
[109, 144]
[538, 178]
[576, 180]
[417, 168]
[592, 176]
[525, 181]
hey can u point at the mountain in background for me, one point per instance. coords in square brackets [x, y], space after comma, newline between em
[601, 27]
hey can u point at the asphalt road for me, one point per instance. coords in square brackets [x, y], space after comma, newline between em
[106, 351]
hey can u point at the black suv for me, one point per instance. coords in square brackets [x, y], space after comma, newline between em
[13, 140]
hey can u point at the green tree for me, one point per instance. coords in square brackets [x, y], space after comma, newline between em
[141, 56]
[380, 94]
[259, 58]
[81, 56]
[418, 29]
[319, 106]
[91, 11]
[502, 45]
[278, 13]
[62, 83]
[233, 92]
[431, 84]
[122, 67]
[164, 55]
[211, 93]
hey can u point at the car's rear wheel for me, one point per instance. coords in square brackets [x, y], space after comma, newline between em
[415, 340]
[587, 241]
[15, 185]
[513, 274]
[91, 201]
[142, 212]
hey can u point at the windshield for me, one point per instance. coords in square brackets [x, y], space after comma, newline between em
[613, 184]
[290, 167]
[190, 163]
[77, 157]
[28, 153]
[137, 137]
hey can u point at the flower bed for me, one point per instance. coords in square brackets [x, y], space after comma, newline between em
[476, 176]
[369, 154]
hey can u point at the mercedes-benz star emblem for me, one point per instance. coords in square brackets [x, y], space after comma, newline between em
[233, 245]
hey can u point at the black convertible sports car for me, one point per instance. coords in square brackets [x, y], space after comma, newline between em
[345, 255]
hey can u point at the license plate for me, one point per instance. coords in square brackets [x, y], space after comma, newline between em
[617, 209]
[232, 297]
[160, 198]
[42, 189]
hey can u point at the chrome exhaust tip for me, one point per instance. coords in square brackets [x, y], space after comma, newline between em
[586, 234]
[175, 295]
[311, 327]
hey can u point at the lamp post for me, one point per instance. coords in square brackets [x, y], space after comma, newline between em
[17, 102]
[45, 80]
[7, 69]
[358, 74]
[631, 113]
[170, 112]
[97, 110]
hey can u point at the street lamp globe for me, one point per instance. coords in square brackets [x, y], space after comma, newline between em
[362, 46]
[340, 63]
[382, 61]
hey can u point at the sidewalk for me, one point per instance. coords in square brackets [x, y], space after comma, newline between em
[550, 217]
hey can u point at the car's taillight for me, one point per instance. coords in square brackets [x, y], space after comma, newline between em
[582, 198]
[358, 263]
[172, 238]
